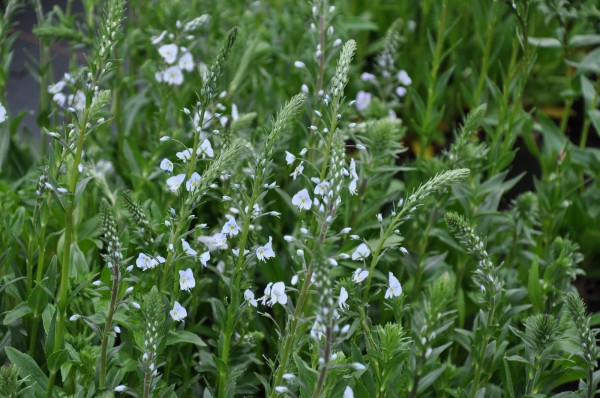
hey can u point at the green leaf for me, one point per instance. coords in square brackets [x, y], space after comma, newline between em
[56, 359]
[534, 289]
[544, 42]
[80, 188]
[17, 313]
[429, 379]
[594, 115]
[183, 336]
[28, 368]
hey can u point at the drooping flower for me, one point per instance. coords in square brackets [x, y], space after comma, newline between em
[343, 298]
[193, 183]
[186, 280]
[265, 252]
[184, 155]
[173, 76]
[360, 275]
[289, 158]
[168, 52]
[348, 393]
[361, 252]
[297, 171]
[166, 165]
[302, 200]
[394, 289]
[204, 258]
[178, 313]
[187, 248]
[175, 182]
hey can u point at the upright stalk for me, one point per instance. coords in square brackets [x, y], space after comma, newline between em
[107, 325]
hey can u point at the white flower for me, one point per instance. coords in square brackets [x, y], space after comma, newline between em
[56, 88]
[184, 155]
[173, 76]
[277, 294]
[120, 388]
[186, 62]
[77, 100]
[166, 165]
[299, 64]
[404, 79]
[363, 100]
[403, 250]
[204, 258]
[205, 149]
[394, 289]
[294, 280]
[297, 171]
[220, 241]
[193, 183]
[361, 252]
[175, 182]
[322, 188]
[186, 280]
[360, 275]
[348, 393]
[358, 366]
[289, 158]
[230, 227]
[379, 217]
[367, 77]
[75, 317]
[302, 200]
[187, 248]
[178, 312]
[59, 98]
[265, 252]
[157, 39]
[159, 76]
[168, 52]
[400, 91]
[281, 389]
[343, 298]
[249, 297]
[145, 262]
[288, 376]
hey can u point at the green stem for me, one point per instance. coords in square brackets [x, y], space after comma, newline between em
[482, 350]
[291, 335]
[325, 366]
[106, 331]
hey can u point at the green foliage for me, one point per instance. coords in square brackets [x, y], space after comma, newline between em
[326, 199]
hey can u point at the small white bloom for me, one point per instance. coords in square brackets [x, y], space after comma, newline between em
[348, 393]
[59, 98]
[322, 188]
[204, 258]
[361, 252]
[249, 297]
[277, 294]
[404, 79]
[178, 312]
[299, 64]
[205, 149]
[175, 182]
[297, 171]
[400, 91]
[294, 280]
[360, 275]
[159, 76]
[288, 238]
[173, 76]
[168, 52]
[230, 227]
[288, 376]
[186, 280]
[74, 317]
[289, 158]
[358, 366]
[304, 89]
[145, 262]
[56, 88]
[403, 250]
[367, 77]
[263, 253]
[166, 165]
[363, 100]
[219, 241]
[281, 389]
[302, 200]
[379, 217]
[186, 62]
[193, 183]
[187, 248]
[120, 388]
[343, 298]
[394, 289]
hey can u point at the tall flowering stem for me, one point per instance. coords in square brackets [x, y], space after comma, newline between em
[113, 258]
[486, 277]
[284, 118]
